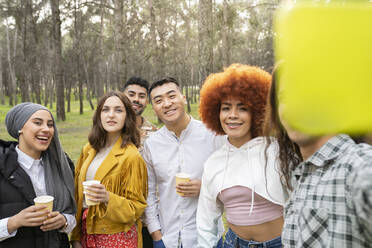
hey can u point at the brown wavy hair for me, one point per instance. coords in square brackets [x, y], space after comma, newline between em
[249, 84]
[289, 152]
[130, 133]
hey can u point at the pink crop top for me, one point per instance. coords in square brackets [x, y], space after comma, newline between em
[237, 202]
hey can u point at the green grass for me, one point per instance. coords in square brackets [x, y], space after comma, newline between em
[73, 132]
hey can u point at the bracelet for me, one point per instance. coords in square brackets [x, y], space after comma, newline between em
[65, 225]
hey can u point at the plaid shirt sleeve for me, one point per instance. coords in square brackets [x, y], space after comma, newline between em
[361, 192]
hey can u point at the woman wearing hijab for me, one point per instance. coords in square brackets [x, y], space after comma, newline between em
[34, 166]
[112, 158]
[236, 177]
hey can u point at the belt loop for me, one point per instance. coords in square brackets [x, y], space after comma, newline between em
[236, 241]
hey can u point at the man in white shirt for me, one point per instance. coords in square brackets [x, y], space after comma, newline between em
[182, 145]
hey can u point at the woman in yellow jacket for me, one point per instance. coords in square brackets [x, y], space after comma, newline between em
[111, 157]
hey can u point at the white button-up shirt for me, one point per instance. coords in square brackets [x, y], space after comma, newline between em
[35, 170]
[166, 155]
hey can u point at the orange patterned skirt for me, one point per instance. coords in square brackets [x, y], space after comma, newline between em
[122, 239]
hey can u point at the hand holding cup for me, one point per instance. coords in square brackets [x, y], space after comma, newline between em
[95, 193]
[31, 216]
[186, 187]
[55, 220]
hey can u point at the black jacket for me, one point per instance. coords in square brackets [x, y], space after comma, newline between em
[16, 194]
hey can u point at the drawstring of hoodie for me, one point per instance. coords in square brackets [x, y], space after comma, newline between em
[225, 168]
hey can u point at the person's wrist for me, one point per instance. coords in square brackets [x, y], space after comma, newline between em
[157, 235]
[12, 224]
[65, 225]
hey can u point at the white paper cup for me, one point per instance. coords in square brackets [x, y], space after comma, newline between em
[45, 200]
[180, 178]
[86, 185]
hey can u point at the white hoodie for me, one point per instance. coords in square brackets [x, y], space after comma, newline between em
[228, 167]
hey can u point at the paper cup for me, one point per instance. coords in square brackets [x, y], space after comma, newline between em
[86, 185]
[180, 178]
[45, 200]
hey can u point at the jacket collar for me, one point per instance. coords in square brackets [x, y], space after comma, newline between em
[108, 163]
[330, 150]
[325, 155]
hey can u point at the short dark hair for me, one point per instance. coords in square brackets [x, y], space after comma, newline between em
[130, 133]
[137, 81]
[163, 81]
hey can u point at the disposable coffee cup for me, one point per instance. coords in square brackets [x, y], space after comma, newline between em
[86, 185]
[45, 200]
[181, 178]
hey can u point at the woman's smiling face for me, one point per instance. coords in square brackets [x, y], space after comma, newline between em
[236, 119]
[36, 134]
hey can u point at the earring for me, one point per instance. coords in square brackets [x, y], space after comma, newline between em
[20, 132]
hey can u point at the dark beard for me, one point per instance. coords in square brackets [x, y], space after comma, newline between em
[140, 111]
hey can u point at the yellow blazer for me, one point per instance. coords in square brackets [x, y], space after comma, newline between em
[124, 174]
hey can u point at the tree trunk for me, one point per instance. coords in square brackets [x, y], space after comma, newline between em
[226, 27]
[46, 91]
[119, 44]
[68, 95]
[51, 93]
[192, 85]
[81, 92]
[13, 85]
[162, 46]
[77, 57]
[34, 57]
[158, 46]
[76, 97]
[175, 42]
[101, 63]
[2, 100]
[23, 74]
[205, 32]
[188, 99]
[58, 69]
[87, 83]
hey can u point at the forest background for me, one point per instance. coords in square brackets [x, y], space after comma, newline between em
[65, 54]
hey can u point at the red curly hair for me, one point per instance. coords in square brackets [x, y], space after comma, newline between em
[246, 83]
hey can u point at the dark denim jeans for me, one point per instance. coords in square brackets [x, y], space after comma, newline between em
[233, 241]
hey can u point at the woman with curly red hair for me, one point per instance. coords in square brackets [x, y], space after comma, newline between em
[238, 178]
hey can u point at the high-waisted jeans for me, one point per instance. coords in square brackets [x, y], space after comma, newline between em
[233, 241]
